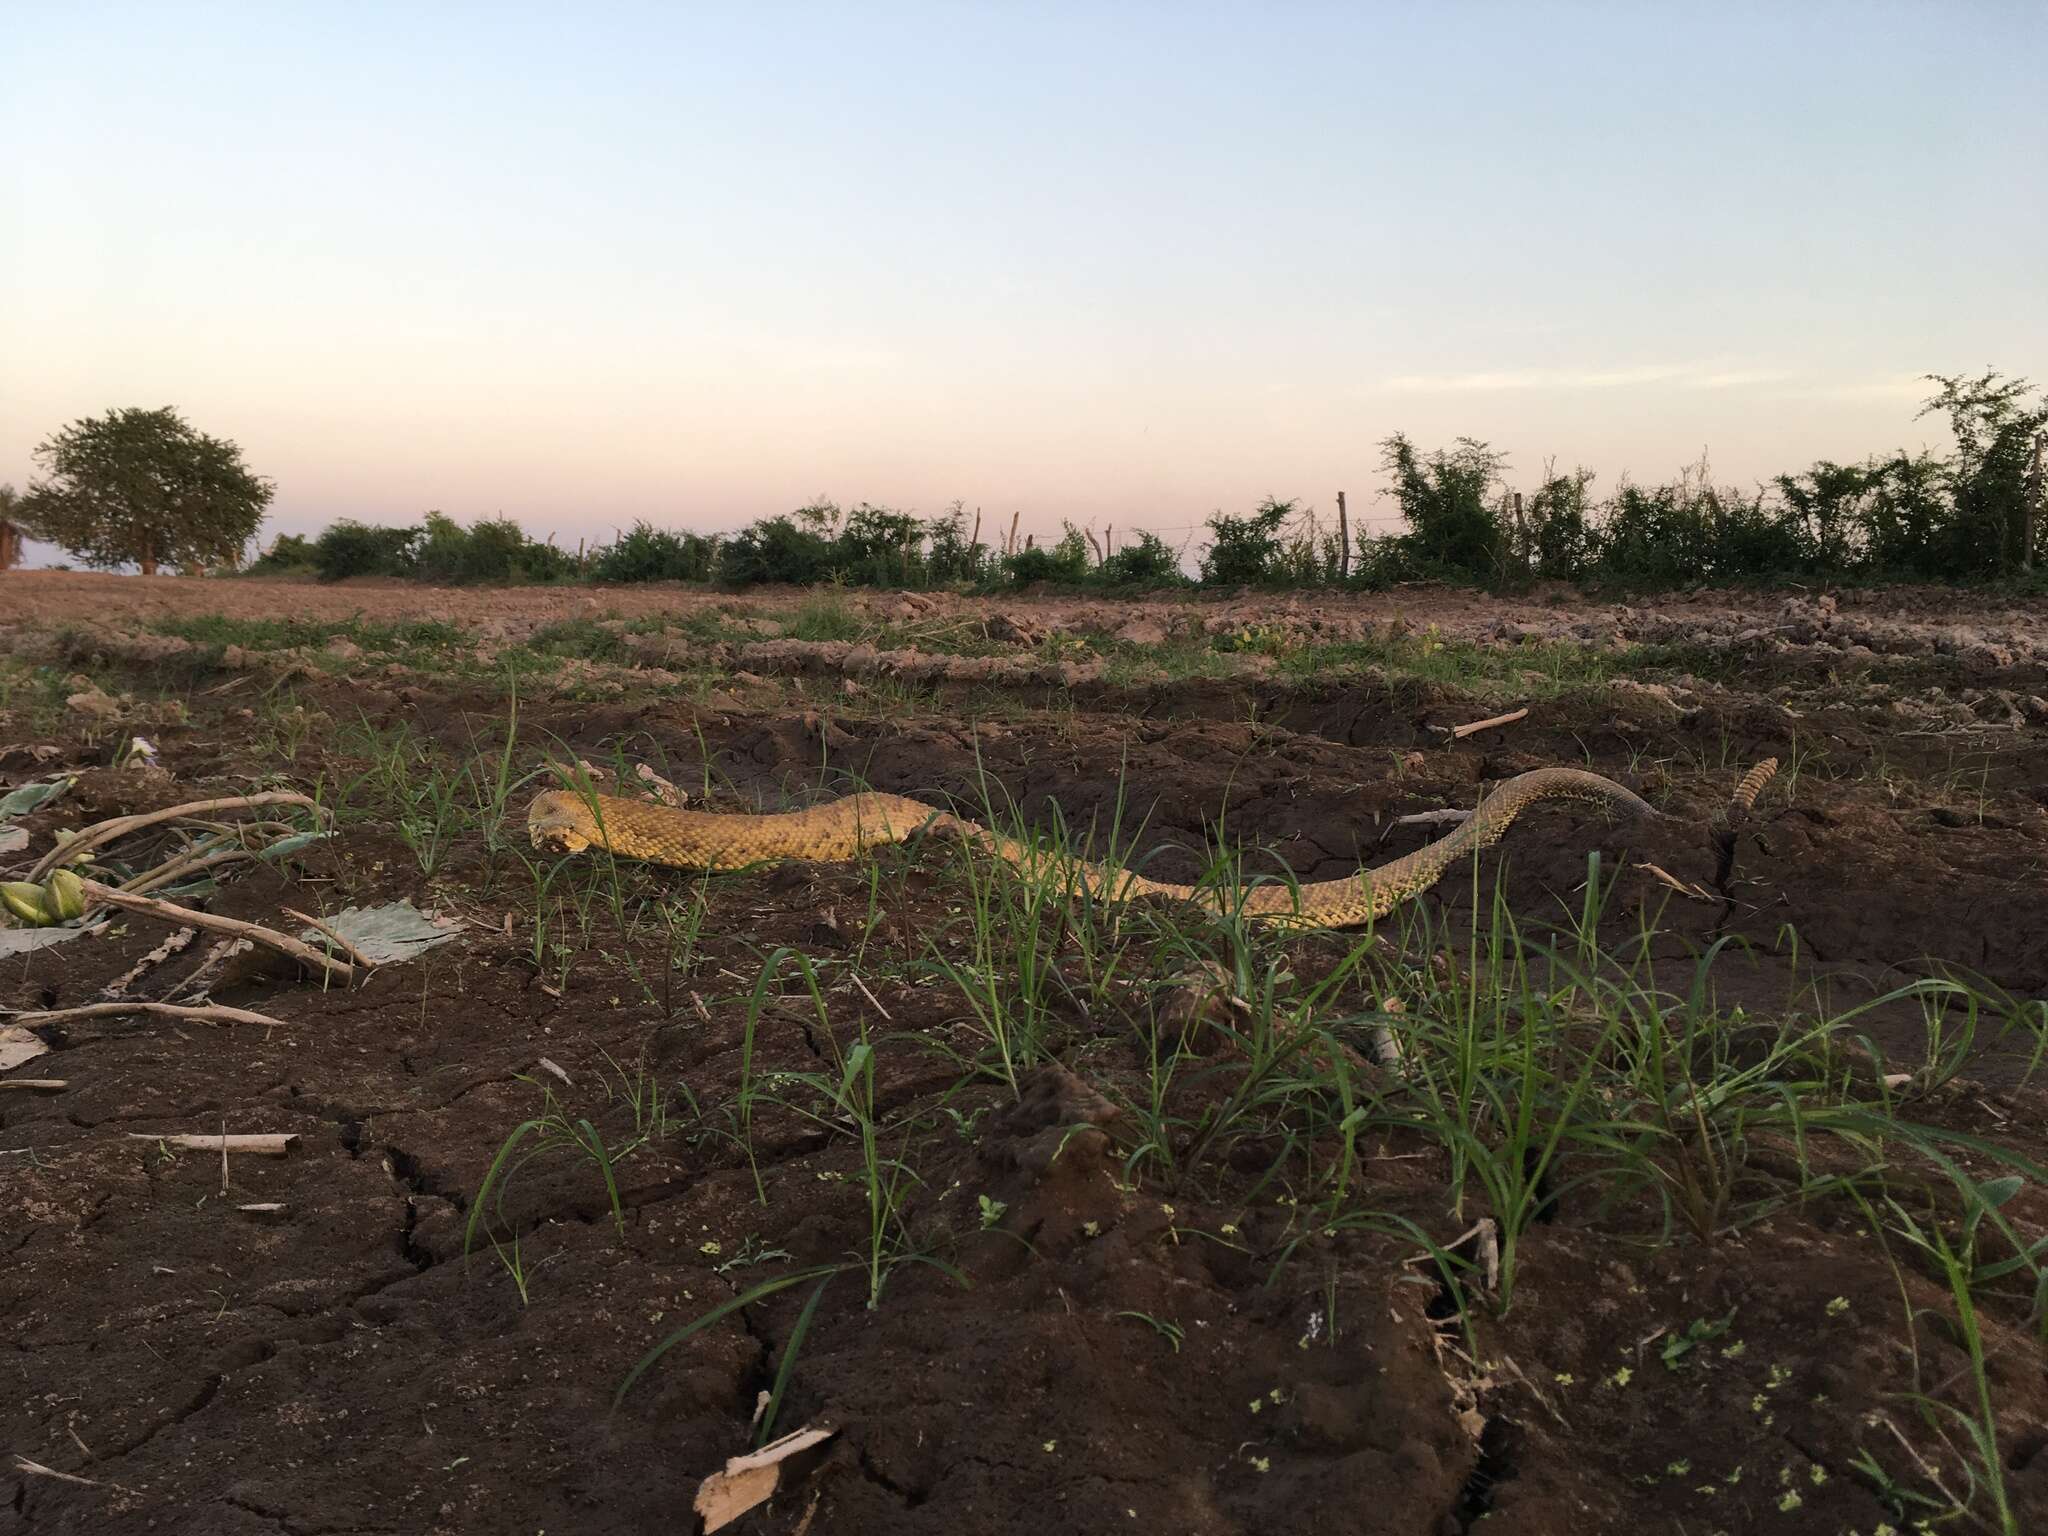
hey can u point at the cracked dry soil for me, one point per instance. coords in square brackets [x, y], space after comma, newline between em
[341, 1366]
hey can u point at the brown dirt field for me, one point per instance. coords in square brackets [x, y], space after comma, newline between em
[342, 1365]
[1929, 619]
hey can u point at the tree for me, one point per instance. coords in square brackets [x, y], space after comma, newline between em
[144, 486]
[10, 527]
[1994, 422]
[1446, 500]
[1246, 551]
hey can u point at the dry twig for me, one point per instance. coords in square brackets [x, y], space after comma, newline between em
[120, 826]
[1460, 732]
[259, 1144]
[170, 912]
[210, 1013]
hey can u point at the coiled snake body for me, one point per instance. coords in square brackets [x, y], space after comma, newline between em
[843, 829]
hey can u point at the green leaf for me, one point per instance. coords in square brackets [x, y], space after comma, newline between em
[788, 1362]
[697, 1325]
[285, 847]
[1996, 1192]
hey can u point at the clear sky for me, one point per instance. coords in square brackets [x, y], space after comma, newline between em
[1115, 262]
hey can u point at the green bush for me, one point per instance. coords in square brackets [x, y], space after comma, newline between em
[648, 553]
[494, 549]
[1246, 551]
[1448, 500]
[1908, 529]
[776, 549]
[1065, 564]
[953, 554]
[1148, 561]
[289, 552]
[1965, 517]
[880, 548]
[1557, 530]
[349, 548]
[1991, 495]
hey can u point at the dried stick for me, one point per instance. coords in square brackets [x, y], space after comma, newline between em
[211, 1013]
[261, 1144]
[1460, 732]
[36, 1084]
[1683, 887]
[864, 992]
[120, 826]
[1449, 816]
[170, 912]
[186, 864]
[36, 1469]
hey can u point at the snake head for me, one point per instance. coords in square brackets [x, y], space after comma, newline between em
[556, 823]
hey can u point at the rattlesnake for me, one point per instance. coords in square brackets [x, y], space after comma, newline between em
[573, 822]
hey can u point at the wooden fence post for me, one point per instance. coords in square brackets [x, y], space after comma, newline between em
[2036, 487]
[1343, 540]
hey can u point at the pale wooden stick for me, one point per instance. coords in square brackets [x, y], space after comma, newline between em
[864, 992]
[36, 1084]
[36, 1469]
[170, 912]
[186, 864]
[1431, 818]
[1489, 1252]
[211, 1013]
[120, 826]
[1449, 815]
[266, 1144]
[1460, 732]
[1683, 887]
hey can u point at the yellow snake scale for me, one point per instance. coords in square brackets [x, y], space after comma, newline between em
[842, 829]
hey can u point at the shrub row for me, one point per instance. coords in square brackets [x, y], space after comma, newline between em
[1974, 515]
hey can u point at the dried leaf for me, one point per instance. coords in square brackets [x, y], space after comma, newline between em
[18, 1045]
[19, 941]
[395, 931]
[25, 799]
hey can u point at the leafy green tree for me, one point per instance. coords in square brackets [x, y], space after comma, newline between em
[648, 553]
[777, 549]
[1246, 551]
[10, 527]
[1148, 561]
[1994, 422]
[878, 547]
[1558, 530]
[143, 486]
[1827, 507]
[1909, 520]
[1447, 501]
[955, 553]
[1065, 563]
[291, 552]
[349, 548]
